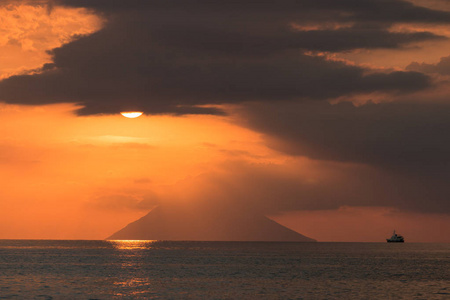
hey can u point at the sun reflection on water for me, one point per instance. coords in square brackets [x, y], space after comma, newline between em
[133, 287]
[131, 244]
[130, 262]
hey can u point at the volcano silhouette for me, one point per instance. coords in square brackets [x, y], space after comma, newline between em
[178, 223]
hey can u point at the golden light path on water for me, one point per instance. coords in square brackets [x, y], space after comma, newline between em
[131, 261]
[131, 114]
[131, 244]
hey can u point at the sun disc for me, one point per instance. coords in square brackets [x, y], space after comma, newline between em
[131, 114]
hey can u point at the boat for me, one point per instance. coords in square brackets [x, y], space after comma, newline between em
[395, 238]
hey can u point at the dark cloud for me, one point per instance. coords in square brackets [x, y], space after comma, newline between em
[343, 10]
[442, 67]
[311, 185]
[390, 11]
[407, 142]
[232, 41]
[357, 38]
[178, 56]
[393, 135]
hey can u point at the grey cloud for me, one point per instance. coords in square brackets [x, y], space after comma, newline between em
[442, 67]
[407, 142]
[271, 188]
[358, 38]
[384, 10]
[392, 135]
[343, 10]
[235, 42]
[177, 56]
[174, 88]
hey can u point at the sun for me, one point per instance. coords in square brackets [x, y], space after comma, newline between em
[131, 114]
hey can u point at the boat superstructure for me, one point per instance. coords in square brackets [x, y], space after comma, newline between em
[396, 238]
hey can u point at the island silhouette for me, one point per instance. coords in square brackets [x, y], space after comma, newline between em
[178, 223]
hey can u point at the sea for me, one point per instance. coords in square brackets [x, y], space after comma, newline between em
[73, 269]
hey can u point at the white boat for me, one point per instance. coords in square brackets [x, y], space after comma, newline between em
[395, 238]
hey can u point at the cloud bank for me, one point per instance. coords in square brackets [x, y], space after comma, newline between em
[177, 57]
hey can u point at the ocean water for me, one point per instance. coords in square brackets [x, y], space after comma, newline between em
[39, 269]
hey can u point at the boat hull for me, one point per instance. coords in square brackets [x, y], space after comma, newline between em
[389, 241]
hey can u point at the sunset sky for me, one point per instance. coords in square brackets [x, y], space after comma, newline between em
[330, 117]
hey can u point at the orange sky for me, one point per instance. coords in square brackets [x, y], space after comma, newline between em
[28, 31]
[66, 175]
[69, 177]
